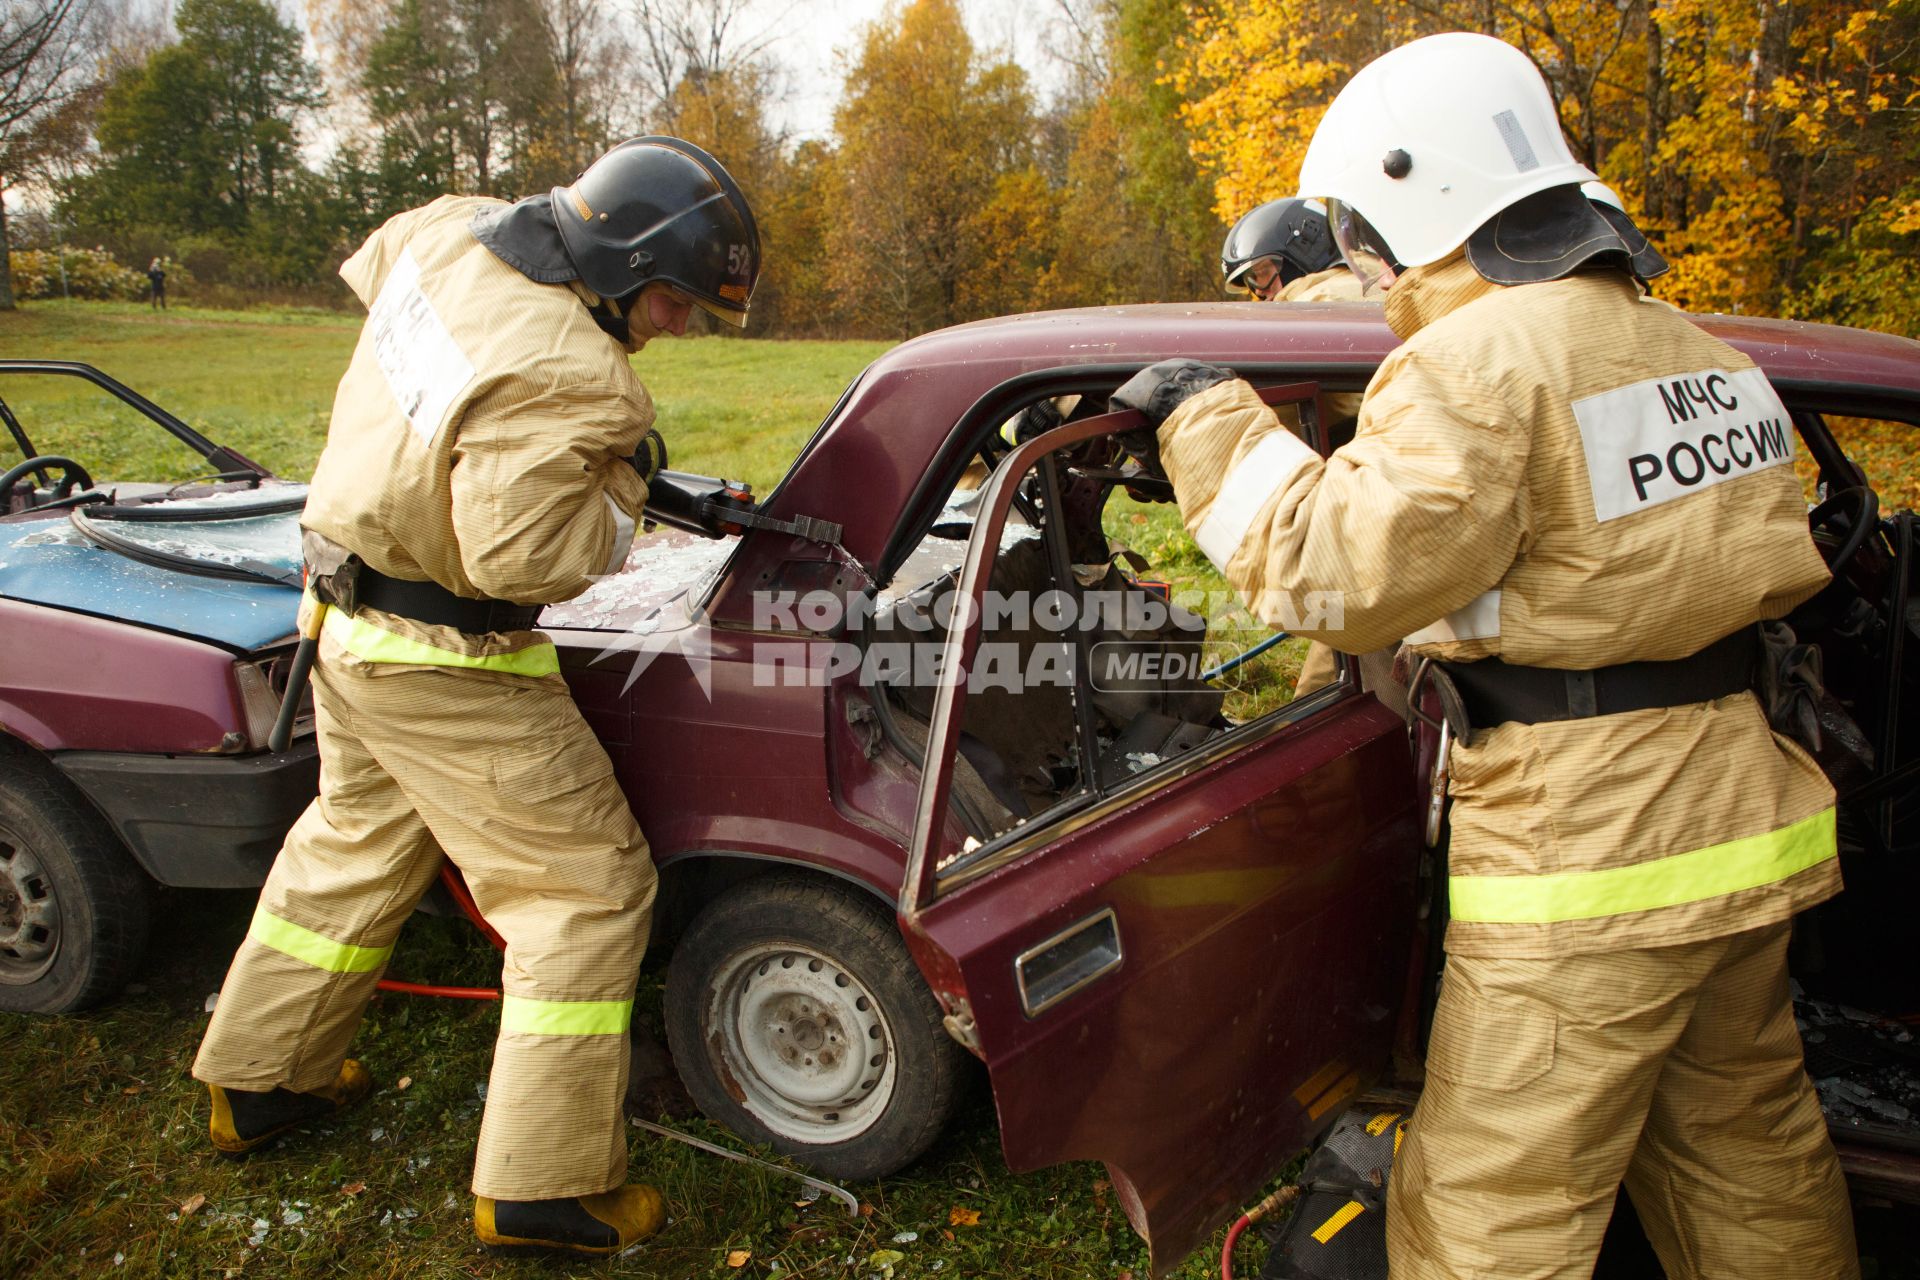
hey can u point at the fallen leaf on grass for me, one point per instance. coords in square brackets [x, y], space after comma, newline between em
[958, 1217]
[738, 1257]
[403, 1082]
[945, 1234]
[353, 1188]
[133, 1089]
[192, 1204]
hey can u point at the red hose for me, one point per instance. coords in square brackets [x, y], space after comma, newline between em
[1280, 1199]
[1234, 1233]
[463, 898]
[449, 993]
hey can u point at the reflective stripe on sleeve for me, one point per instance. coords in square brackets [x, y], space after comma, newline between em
[369, 643]
[1477, 619]
[312, 948]
[1275, 461]
[1712, 872]
[565, 1017]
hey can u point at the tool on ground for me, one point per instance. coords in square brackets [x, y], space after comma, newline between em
[1338, 1227]
[839, 1193]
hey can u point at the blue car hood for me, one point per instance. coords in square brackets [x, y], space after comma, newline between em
[50, 562]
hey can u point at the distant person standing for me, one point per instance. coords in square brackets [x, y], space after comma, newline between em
[157, 278]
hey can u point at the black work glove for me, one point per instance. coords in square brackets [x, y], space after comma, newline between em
[650, 459]
[1159, 389]
[1035, 420]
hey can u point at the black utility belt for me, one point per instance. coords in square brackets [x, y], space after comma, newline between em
[433, 604]
[1492, 692]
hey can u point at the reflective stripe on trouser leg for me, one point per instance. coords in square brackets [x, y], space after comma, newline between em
[1735, 1174]
[350, 872]
[520, 795]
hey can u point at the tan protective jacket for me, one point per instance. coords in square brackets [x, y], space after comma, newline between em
[1564, 476]
[1335, 284]
[478, 436]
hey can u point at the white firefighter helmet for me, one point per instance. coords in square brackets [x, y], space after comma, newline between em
[1430, 141]
[1601, 193]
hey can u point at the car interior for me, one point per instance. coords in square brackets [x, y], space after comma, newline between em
[1854, 965]
[1172, 660]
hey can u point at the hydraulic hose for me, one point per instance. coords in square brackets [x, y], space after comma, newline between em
[1280, 1199]
[445, 993]
[1234, 1232]
[456, 887]
[1248, 656]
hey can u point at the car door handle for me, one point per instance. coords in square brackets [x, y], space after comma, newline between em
[1069, 961]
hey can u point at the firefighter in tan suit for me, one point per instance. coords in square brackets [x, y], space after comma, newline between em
[1579, 505]
[1283, 251]
[489, 453]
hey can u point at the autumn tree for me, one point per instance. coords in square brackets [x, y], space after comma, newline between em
[202, 139]
[927, 127]
[1768, 149]
[1135, 219]
[47, 76]
[464, 92]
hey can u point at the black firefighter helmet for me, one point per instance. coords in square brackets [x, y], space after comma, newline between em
[659, 209]
[1292, 230]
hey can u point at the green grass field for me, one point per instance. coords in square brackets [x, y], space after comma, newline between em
[102, 1134]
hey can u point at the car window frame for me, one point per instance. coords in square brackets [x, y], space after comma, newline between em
[985, 415]
[923, 885]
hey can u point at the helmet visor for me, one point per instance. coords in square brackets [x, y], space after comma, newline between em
[1263, 276]
[1366, 251]
[726, 315]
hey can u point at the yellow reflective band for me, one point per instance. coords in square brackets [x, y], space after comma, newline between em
[1341, 1217]
[1712, 872]
[565, 1017]
[365, 641]
[312, 948]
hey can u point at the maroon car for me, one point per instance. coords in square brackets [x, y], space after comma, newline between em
[1181, 926]
[956, 749]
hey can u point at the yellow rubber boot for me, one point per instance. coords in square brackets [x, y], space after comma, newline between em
[599, 1224]
[244, 1121]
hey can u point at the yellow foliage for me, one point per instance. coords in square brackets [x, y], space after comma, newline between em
[1745, 138]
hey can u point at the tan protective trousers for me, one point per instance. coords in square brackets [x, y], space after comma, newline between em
[503, 775]
[1676, 1069]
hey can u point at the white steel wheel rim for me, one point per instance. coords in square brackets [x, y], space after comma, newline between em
[29, 914]
[801, 1043]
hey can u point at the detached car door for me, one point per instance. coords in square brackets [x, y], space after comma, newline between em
[1185, 970]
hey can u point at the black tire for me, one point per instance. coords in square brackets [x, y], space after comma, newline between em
[74, 909]
[773, 945]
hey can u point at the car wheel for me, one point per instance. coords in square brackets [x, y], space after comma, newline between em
[797, 1019]
[73, 907]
